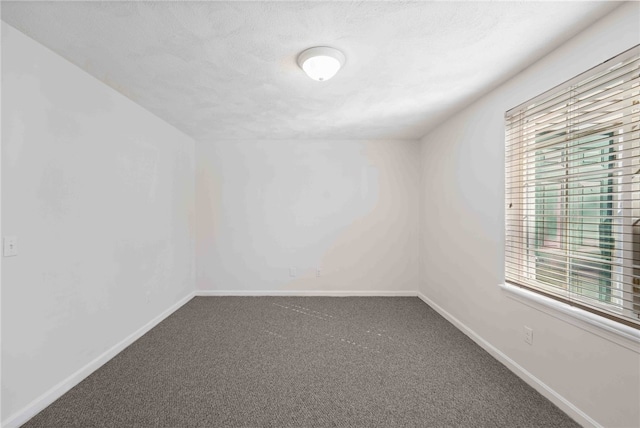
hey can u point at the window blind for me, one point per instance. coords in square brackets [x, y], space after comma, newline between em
[573, 191]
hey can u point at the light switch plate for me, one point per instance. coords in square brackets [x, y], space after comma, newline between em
[10, 247]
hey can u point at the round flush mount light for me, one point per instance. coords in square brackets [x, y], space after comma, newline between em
[321, 63]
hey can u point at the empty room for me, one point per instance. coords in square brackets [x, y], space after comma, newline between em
[320, 214]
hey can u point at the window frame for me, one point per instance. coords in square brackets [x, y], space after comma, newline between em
[566, 91]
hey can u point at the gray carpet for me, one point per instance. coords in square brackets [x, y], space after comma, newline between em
[303, 362]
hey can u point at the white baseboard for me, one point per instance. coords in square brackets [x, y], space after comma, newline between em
[565, 405]
[60, 389]
[300, 293]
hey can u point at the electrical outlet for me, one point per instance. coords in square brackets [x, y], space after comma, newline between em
[10, 247]
[528, 335]
[293, 272]
[318, 271]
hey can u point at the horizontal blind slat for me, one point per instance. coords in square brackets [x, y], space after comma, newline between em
[627, 87]
[585, 79]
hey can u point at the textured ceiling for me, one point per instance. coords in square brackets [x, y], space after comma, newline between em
[227, 70]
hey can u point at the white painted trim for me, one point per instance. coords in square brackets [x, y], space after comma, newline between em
[300, 293]
[1, 235]
[615, 332]
[565, 405]
[37, 405]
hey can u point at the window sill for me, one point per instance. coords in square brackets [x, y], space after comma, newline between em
[621, 334]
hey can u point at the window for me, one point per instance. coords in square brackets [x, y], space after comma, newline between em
[573, 191]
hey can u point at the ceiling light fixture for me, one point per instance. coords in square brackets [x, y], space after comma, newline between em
[321, 63]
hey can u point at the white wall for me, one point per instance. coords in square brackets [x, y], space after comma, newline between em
[348, 207]
[101, 196]
[462, 239]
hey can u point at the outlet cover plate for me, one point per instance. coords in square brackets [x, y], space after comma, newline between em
[528, 335]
